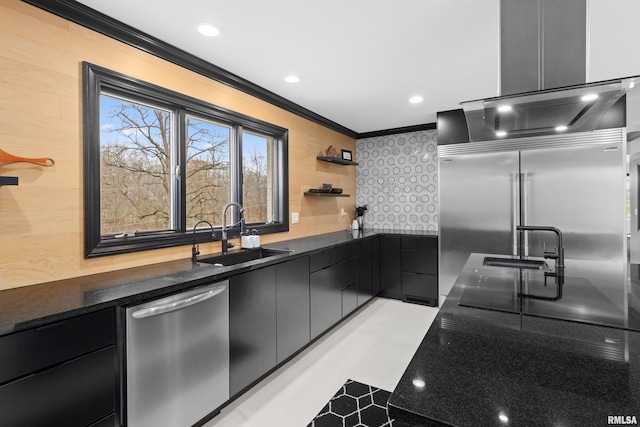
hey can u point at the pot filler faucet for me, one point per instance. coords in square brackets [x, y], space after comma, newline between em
[558, 255]
[225, 244]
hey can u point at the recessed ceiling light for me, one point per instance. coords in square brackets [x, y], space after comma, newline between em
[501, 133]
[505, 108]
[209, 30]
[417, 99]
[561, 128]
[292, 79]
[589, 97]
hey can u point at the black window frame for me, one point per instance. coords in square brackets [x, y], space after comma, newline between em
[97, 80]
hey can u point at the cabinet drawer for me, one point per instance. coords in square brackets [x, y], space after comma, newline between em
[420, 243]
[348, 251]
[349, 299]
[425, 262]
[420, 285]
[349, 272]
[77, 393]
[29, 351]
[324, 259]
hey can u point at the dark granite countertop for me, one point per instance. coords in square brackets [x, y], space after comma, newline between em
[508, 361]
[33, 306]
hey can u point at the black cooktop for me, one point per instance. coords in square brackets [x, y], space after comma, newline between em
[594, 292]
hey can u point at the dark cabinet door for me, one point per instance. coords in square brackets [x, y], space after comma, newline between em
[36, 349]
[390, 266]
[375, 265]
[63, 373]
[326, 298]
[365, 276]
[292, 296]
[349, 276]
[76, 393]
[252, 326]
[420, 285]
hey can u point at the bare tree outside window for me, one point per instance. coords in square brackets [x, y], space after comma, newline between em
[208, 170]
[136, 168]
[135, 162]
[257, 177]
[156, 162]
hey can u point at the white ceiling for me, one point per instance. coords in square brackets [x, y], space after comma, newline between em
[360, 60]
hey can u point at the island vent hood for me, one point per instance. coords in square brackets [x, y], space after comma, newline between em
[577, 108]
[543, 76]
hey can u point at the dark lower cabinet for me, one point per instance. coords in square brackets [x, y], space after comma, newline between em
[390, 267]
[77, 393]
[349, 298]
[293, 310]
[326, 298]
[61, 374]
[375, 265]
[420, 269]
[408, 268]
[423, 286]
[252, 326]
[349, 277]
[365, 271]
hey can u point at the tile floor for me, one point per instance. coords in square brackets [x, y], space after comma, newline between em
[374, 347]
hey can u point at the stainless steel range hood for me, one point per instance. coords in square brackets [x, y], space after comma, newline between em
[570, 109]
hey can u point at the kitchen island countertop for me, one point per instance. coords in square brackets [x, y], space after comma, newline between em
[514, 365]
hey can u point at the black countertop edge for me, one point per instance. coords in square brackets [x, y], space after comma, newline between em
[36, 305]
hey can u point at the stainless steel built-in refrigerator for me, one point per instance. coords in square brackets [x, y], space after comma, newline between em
[575, 182]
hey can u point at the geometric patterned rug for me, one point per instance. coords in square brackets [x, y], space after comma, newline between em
[355, 405]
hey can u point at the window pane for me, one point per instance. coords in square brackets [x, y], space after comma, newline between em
[208, 173]
[257, 177]
[135, 164]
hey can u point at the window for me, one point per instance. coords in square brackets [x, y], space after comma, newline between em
[157, 162]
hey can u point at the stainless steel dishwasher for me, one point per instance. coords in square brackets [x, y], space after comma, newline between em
[177, 355]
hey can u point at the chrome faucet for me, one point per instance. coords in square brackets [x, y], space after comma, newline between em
[195, 250]
[558, 255]
[225, 244]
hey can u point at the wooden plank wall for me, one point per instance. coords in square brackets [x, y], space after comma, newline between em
[41, 219]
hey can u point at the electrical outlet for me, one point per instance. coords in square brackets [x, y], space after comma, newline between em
[295, 218]
[342, 212]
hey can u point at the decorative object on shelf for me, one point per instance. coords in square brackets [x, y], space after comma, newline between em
[360, 210]
[331, 151]
[347, 155]
[327, 187]
[6, 158]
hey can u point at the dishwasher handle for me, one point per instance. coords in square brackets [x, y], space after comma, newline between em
[177, 305]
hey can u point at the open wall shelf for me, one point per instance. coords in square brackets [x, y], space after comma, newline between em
[337, 160]
[308, 193]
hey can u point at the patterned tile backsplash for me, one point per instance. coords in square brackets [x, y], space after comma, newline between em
[397, 178]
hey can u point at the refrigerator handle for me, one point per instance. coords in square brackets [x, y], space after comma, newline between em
[524, 188]
[515, 183]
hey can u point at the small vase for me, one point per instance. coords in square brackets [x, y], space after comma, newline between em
[360, 223]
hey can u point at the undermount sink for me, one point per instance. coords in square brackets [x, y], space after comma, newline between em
[246, 255]
[530, 264]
